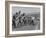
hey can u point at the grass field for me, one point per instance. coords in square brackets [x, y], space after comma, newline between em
[28, 27]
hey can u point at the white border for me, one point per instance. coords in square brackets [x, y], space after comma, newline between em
[24, 32]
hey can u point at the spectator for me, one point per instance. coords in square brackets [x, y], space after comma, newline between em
[13, 21]
[32, 22]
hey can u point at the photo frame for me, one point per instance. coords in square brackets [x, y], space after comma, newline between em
[30, 7]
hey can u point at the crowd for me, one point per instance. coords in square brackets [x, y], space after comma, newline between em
[21, 19]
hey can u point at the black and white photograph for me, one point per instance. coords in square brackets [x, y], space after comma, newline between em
[25, 18]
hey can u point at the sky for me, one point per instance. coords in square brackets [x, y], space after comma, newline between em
[27, 10]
